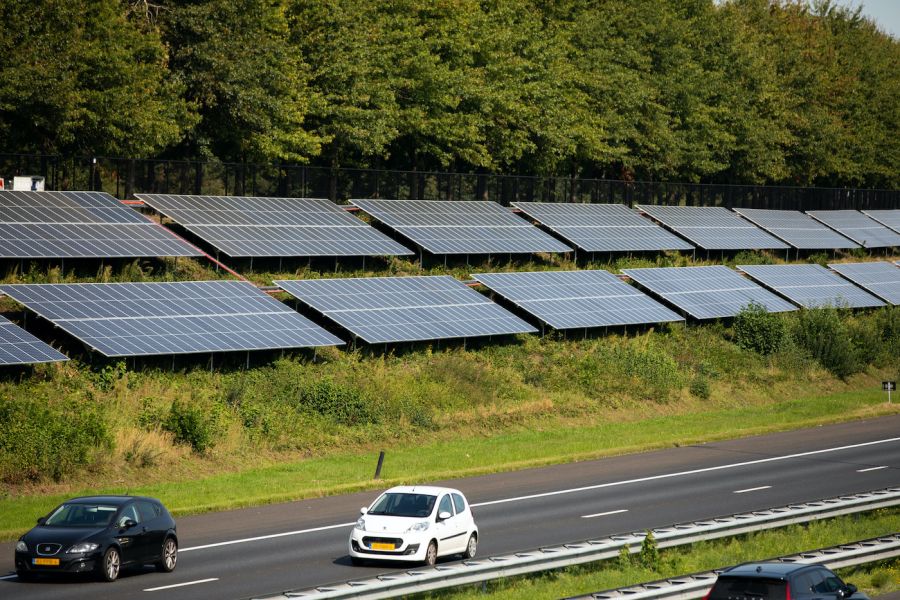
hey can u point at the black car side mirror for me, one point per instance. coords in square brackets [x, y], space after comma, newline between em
[41, 520]
[847, 591]
[127, 523]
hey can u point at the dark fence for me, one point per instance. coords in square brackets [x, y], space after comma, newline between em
[125, 177]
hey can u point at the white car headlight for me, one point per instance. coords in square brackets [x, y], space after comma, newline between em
[361, 524]
[420, 526]
[82, 548]
[21, 546]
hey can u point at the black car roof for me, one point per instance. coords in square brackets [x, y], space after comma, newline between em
[114, 500]
[777, 570]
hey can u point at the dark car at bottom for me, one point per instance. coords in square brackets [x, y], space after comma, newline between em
[781, 581]
[99, 535]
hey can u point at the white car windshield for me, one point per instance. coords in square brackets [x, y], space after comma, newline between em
[82, 515]
[404, 505]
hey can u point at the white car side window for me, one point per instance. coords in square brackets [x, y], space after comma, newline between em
[446, 505]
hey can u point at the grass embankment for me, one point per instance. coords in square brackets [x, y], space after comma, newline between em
[294, 427]
[875, 579]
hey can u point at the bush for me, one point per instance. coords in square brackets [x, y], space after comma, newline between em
[649, 555]
[39, 440]
[822, 333]
[189, 424]
[756, 329]
[700, 387]
[342, 404]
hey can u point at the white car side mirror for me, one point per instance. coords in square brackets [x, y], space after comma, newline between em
[363, 510]
[443, 516]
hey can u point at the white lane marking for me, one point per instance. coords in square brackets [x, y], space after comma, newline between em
[871, 469]
[572, 490]
[169, 587]
[603, 514]
[9, 576]
[756, 489]
[267, 537]
[691, 472]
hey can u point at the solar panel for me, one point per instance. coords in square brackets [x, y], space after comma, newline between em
[258, 226]
[80, 225]
[405, 309]
[888, 218]
[134, 319]
[866, 232]
[713, 227]
[880, 278]
[18, 347]
[811, 286]
[461, 227]
[602, 227]
[577, 299]
[796, 228]
[707, 292]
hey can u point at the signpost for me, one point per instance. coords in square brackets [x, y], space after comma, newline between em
[889, 386]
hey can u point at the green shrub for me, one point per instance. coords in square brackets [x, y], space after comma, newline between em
[190, 424]
[752, 257]
[342, 404]
[649, 555]
[822, 333]
[39, 440]
[700, 387]
[756, 329]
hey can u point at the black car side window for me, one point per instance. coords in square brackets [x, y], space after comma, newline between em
[830, 582]
[148, 510]
[129, 512]
[817, 578]
[802, 584]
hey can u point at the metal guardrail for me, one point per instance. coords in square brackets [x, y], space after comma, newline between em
[564, 555]
[690, 587]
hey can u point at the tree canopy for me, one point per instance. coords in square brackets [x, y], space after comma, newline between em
[800, 92]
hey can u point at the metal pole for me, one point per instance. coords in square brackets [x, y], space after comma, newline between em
[380, 463]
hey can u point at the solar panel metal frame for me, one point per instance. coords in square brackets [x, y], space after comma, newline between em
[577, 299]
[261, 226]
[881, 278]
[724, 294]
[797, 229]
[381, 310]
[80, 225]
[18, 347]
[890, 218]
[188, 317]
[862, 229]
[804, 285]
[461, 226]
[602, 227]
[713, 227]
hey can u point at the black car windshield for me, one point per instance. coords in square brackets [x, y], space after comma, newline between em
[404, 505]
[82, 515]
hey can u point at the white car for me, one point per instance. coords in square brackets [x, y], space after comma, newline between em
[415, 523]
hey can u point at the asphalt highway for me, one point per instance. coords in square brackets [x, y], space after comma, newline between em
[258, 551]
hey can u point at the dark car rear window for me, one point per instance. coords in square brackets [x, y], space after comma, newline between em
[748, 588]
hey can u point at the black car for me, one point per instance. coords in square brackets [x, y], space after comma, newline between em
[99, 534]
[781, 581]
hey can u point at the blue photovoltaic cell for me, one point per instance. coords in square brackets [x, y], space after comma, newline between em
[713, 227]
[811, 286]
[18, 347]
[797, 229]
[602, 227]
[80, 225]
[577, 299]
[707, 292]
[461, 227]
[863, 230]
[133, 319]
[888, 218]
[245, 226]
[406, 309]
[880, 278]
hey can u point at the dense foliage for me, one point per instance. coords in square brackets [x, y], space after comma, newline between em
[744, 91]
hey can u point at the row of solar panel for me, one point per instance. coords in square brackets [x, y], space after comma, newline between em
[96, 225]
[135, 319]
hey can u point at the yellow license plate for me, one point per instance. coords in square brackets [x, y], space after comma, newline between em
[382, 546]
[47, 562]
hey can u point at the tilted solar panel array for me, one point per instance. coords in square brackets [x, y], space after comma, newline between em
[405, 309]
[797, 229]
[134, 319]
[811, 286]
[888, 218]
[469, 227]
[602, 227]
[707, 292]
[577, 299]
[713, 228]
[18, 347]
[880, 278]
[260, 226]
[80, 225]
[863, 230]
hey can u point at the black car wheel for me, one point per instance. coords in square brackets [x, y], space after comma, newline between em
[112, 562]
[169, 556]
